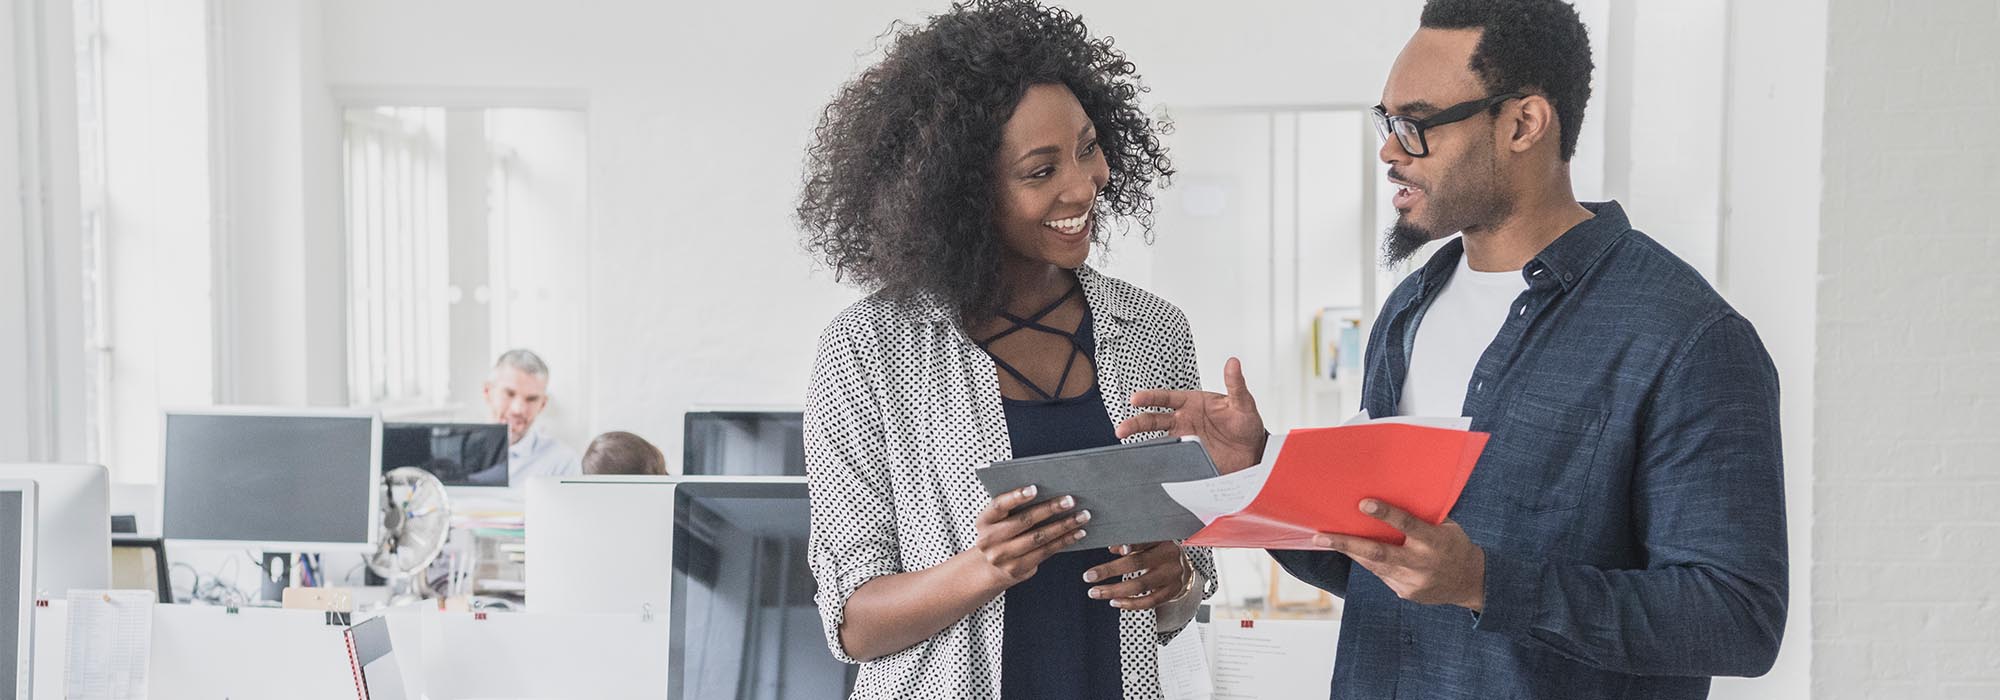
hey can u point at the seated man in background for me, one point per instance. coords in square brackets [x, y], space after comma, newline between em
[620, 452]
[516, 394]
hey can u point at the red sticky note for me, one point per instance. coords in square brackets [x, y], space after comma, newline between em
[1322, 474]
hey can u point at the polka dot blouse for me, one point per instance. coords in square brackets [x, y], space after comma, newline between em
[902, 408]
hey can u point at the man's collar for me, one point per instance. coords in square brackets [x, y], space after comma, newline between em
[1569, 257]
[1566, 259]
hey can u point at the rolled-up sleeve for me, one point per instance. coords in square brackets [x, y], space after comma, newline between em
[853, 537]
[1710, 506]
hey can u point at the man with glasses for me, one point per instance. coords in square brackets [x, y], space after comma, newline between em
[1623, 535]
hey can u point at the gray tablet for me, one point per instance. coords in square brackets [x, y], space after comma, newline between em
[1119, 485]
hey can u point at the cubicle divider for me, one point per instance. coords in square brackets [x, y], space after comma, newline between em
[214, 652]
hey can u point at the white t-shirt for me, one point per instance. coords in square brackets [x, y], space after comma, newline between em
[1461, 322]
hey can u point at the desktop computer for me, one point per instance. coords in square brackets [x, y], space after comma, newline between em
[276, 480]
[723, 559]
[74, 532]
[744, 443]
[458, 454]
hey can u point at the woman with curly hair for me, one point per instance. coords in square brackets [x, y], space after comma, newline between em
[963, 179]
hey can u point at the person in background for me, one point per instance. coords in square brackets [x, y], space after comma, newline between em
[516, 394]
[620, 452]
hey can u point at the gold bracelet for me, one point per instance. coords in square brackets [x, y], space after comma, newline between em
[1187, 578]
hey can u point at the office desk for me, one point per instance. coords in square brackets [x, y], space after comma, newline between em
[207, 652]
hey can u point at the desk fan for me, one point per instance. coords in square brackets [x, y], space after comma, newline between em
[416, 517]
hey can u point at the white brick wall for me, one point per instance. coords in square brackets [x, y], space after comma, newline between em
[1906, 575]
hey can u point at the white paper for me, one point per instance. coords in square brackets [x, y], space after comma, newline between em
[1446, 422]
[1184, 666]
[110, 640]
[1273, 658]
[1215, 497]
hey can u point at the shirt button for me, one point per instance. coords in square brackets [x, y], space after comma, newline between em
[1480, 387]
[1569, 277]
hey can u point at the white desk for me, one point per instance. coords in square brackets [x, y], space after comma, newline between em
[206, 652]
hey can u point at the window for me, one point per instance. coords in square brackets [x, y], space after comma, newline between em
[465, 237]
[398, 351]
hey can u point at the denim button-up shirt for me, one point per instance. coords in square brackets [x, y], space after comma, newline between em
[1630, 501]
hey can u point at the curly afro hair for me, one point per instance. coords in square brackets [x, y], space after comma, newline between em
[1534, 46]
[900, 189]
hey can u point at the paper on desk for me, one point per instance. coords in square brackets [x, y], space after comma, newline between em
[110, 640]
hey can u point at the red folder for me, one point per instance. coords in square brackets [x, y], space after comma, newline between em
[1321, 475]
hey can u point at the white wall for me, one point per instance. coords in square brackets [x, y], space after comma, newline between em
[698, 126]
[41, 362]
[260, 344]
[1768, 264]
[157, 188]
[13, 257]
[1664, 88]
[281, 334]
[1907, 577]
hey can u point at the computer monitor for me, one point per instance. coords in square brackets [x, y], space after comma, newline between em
[17, 585]
[276, 480]
[731, 552]
[742, 619]
[74, 534]
[744, 443]
[458, 454]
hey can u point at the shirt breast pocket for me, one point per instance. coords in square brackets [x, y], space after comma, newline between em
[1550, 448]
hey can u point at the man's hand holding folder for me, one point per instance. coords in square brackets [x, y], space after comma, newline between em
[1378, 492]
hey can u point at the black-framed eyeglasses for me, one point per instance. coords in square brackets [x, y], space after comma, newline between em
[1409, 132]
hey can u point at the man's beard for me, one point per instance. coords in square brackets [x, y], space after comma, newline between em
[1403, 239]
[1476, 199]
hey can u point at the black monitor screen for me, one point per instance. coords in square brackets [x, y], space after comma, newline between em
[458, 454]
[744, 623]
[269, 478]
[744, 443]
